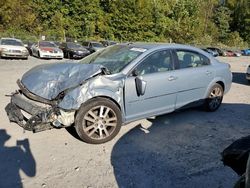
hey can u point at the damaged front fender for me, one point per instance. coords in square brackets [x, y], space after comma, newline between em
[95, 87]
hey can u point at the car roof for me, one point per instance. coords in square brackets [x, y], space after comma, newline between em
[11, 39]
[158, 45]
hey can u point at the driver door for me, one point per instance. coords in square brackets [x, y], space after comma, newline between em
[160, 91]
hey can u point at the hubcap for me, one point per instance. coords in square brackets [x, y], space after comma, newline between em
[215, 98]
[100, 122]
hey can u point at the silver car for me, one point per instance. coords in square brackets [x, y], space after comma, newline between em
[117, 85]
[13, 48]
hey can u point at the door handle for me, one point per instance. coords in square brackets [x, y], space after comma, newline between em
[171, 78]
[208, 72]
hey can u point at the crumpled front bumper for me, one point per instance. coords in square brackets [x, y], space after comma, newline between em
[41, 117]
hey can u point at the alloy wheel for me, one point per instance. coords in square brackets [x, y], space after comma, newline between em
[100, 122]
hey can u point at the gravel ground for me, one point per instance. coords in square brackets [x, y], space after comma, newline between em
[177, 150]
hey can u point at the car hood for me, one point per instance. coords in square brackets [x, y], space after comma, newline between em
[49, 48]
[98, 48]
[48, 80]
[79, 49]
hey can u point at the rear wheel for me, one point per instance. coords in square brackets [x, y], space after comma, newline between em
[214, 99]
[69, 55]
[98, 121]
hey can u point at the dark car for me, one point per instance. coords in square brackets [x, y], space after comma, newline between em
[28, 45]
[93, 46]
[74, 50]
[218, 50]
[108, 43]
[213, 53]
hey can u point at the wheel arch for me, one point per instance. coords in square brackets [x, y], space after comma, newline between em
[118, 101]
[222, 84]
[215, 81]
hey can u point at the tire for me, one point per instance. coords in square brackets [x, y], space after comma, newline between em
[214, 99]
[38, 54]
[68, 55]
[97, 129]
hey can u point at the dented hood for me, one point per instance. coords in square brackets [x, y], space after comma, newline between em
[49, 80]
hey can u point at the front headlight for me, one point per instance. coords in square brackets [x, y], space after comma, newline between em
[24, 51]
[4, 50]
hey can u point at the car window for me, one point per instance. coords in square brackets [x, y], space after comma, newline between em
[74, 45]
[114, 58]
[97, 45]
[11, 42]
[46, 44]
[189, 59]
[160, 61]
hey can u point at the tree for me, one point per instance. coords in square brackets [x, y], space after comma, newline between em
[222, 19]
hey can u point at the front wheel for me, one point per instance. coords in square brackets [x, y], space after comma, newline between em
[213, 101]
[98, 121]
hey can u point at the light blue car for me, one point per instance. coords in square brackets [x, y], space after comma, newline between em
[246, 52]
[117, 85]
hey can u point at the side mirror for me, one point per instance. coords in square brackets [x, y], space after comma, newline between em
[140, 86]
[135, 73]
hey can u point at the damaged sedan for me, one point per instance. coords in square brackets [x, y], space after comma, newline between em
[117, 85]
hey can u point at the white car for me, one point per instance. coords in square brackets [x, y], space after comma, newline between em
[46, 49]
[13, 48]
[248, 74]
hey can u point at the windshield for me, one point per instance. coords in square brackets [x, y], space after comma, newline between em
[11, 42]
[114, 58]
[98, 45]
[74, 45]
[47, 44]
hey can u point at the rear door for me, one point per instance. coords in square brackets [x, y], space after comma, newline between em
[194, 73]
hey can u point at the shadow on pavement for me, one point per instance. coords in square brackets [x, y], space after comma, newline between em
[240, 78]
[13, 159]
[181, 149]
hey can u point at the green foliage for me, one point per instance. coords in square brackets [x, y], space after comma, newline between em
[222, 19]
[181, 21]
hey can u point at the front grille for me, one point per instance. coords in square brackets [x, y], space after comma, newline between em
[15, 51]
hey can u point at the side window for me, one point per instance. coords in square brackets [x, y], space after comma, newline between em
[63, 45]
[157, 62]
[85, 44]
[191, 59]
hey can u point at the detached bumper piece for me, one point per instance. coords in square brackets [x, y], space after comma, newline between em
[41, 117]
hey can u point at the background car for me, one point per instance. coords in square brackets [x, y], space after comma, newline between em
[93, 46]
[46, 49]
[232, 53]
[13, 48]
[218, 50]
[108, 42]
[74, 50]
[212, 52]
[229, 53]
[28, 45]
[124, 83]
[237, 53]
[246, 52]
